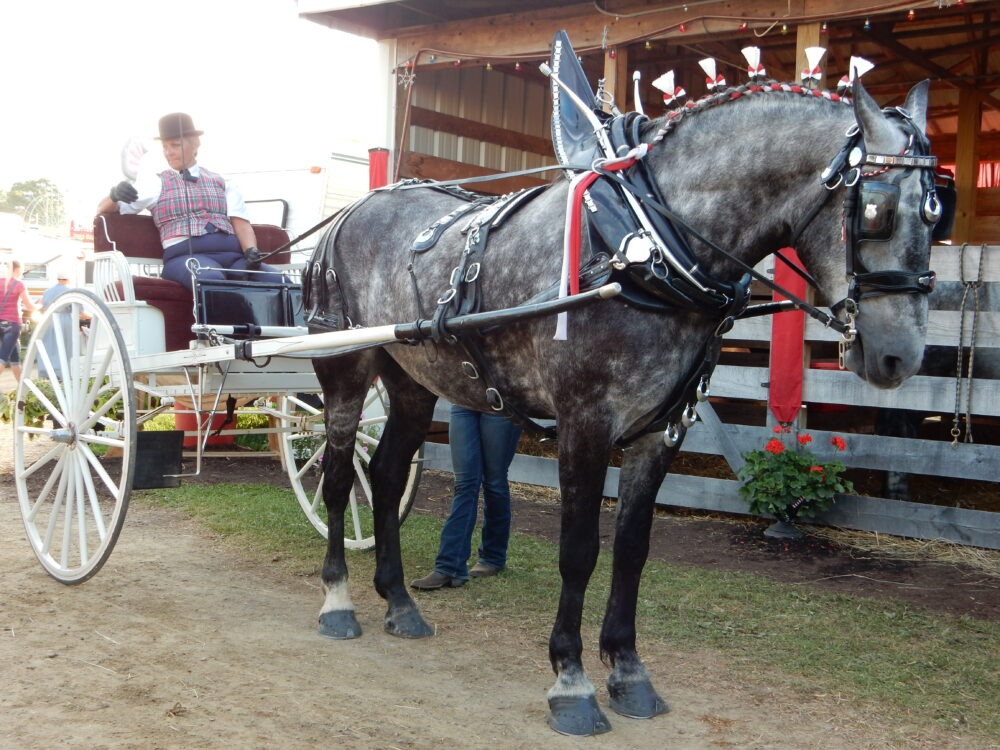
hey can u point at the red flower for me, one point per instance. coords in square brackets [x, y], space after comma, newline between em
[805, 439]
[774, 446]
[838, 442]
[816, 469]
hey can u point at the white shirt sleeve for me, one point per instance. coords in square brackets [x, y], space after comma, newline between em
[235, 205]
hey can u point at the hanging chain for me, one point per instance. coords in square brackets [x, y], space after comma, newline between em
[973, 287]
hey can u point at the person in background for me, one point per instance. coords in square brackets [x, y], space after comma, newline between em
[63, 326]
[198, 213]
[482, 448]
[13, 295]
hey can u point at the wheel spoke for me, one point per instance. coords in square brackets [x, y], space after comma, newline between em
[54, 477]
[95, 501]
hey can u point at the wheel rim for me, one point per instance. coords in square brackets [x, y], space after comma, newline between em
[303, 443]
[73, 471]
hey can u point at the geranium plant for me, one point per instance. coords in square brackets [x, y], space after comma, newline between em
[787, 481]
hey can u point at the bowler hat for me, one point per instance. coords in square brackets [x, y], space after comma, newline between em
[177, 125]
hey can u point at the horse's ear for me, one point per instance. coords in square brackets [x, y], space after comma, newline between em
[916, 104]
[866, 110]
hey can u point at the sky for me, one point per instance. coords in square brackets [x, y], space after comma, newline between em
[82, 77]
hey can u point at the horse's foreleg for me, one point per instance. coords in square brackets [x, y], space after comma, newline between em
[583, 463]
[410, 414]
[630, 689]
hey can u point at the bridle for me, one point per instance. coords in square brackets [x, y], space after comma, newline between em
[871, 205]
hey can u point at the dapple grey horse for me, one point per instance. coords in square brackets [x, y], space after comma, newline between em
[743, 172]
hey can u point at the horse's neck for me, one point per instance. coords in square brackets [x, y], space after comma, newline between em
[744, 173]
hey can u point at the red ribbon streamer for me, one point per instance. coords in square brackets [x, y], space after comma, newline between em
[787, 331]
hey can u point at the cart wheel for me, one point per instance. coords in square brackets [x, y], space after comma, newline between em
[74, 436]
[302, 444]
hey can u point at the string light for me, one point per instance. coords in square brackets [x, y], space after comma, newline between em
[489, 66]
[784, 28]
[682, 28]
[457, 63]
[868, 25]
[431, 59]
[517, 66]
[612, 53]
[649, 45]
[822, 29]
[743, 26]
[911, 15]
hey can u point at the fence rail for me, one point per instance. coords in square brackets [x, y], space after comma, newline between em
[933, 395]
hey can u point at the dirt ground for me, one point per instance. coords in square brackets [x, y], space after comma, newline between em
[183, 642]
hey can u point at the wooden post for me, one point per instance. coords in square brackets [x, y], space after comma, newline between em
[966, 164]
[806, 35]
[615, 78]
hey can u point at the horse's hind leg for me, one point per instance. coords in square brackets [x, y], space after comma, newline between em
[411, 409]
[630, 689]
[345, 381]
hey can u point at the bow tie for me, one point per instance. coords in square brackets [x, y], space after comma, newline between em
[187, 176]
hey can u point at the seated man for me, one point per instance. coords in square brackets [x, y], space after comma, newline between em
[197, 212]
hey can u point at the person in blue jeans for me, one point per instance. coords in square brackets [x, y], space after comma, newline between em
[482, 448]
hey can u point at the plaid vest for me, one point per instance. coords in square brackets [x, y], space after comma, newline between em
[184, 208]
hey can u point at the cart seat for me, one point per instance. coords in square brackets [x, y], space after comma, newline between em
[137, 238]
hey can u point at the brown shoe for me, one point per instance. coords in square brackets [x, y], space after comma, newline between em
[436, 580]
[483, 570]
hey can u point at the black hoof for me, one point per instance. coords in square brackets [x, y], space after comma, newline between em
[580, 717]
[407, 623]
[636, 700]
[339, 624]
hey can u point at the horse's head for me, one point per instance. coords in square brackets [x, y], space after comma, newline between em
[886, 179]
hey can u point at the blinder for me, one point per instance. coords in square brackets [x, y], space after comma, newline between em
[945, 196]
[876, 214]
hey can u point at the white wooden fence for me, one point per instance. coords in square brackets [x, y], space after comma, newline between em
[934, 395]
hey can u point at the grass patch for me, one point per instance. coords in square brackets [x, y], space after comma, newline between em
[931, 668]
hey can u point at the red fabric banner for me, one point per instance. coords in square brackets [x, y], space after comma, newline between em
[787, 331]
[378, 167]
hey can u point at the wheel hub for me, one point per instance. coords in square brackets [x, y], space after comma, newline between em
[65, 435]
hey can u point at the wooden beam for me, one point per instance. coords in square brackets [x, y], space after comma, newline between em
[943, 147]
[511, 35]
[480, 131]
[921, 60]
[966, 164]
[426, 167]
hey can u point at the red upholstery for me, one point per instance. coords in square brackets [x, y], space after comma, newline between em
[136, 236]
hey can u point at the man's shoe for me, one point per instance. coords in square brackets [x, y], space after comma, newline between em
[483, 570]
[436, 581]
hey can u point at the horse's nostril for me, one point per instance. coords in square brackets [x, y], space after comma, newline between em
[891, 366]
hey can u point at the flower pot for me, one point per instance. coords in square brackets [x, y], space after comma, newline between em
[782, 530]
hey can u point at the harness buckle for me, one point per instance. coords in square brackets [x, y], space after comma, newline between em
[445, 298]
[850, 334]
[470, 370]
[689, 416]
[472, 273]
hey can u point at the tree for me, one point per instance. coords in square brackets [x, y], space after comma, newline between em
[40, 201]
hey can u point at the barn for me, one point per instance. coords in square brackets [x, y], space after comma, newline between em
[464, 97]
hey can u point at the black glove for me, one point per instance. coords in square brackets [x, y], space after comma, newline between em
[253, 257]
[124, 191]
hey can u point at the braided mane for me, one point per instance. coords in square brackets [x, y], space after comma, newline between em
[733, 93]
